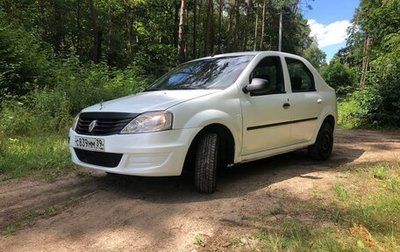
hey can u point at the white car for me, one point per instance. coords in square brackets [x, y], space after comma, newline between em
[208, 114]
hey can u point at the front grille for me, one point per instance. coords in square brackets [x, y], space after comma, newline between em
[105, 159]
[107, 123]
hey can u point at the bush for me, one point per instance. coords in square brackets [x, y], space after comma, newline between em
[15, 119]
[347, 117]
[51, 110]
[340, 77]
[155, 60]
[23, 65]
[75, 87]
[377, 104]
[85, 85]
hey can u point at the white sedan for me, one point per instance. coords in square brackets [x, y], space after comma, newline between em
[208, 114]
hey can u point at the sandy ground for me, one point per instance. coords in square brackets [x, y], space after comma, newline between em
[95, 212]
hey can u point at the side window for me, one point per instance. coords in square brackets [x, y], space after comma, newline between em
[270, 68]
[301, 78]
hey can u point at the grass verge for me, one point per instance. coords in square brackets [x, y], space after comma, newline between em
[44, 156]
[361, 214]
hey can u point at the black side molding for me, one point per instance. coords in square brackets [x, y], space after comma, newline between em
[281, 123]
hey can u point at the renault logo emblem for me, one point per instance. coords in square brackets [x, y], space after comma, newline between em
[92, 125]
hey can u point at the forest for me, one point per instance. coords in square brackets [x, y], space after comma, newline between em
[59, 56]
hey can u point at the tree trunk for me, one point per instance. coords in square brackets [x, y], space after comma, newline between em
[181, 34]
[365, 61]
[263, 25]
[176, 22]
[256, 31]
[220, 9]
[97, 34]
[231, 13]
[194, 39]
[249, 11]
[237, 25]
[209, 32]
[78, 29]
[59, 34]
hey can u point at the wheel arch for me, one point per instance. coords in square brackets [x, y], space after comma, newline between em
[227, 145]
[330, 120]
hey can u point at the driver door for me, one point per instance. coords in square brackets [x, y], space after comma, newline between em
[266, 117]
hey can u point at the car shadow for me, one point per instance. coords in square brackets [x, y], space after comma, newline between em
[234, 182]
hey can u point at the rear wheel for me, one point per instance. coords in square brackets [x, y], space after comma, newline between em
[323, 146]
[206, 163]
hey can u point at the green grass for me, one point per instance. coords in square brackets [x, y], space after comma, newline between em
[293, 235]
[341, 192]
[46, 156]
[346, 115]
[198, 240]
[361, 214]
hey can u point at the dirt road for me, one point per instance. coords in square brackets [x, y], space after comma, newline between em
[96, 212]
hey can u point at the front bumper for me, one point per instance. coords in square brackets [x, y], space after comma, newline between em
[149, 154]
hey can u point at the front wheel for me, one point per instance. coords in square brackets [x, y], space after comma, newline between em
[323, 146]
[206, 163]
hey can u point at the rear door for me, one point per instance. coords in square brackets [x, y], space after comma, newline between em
[306, 102]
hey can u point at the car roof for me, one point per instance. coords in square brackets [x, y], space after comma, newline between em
[248, 53]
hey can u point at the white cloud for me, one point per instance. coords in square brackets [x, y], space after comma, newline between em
[331, 34]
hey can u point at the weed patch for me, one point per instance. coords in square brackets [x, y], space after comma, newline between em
[361, 214]
[45, 156]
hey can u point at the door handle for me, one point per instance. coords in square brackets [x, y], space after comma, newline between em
[319, 101]
[286, 105]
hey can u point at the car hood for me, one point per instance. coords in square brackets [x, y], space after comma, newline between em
[148, 101]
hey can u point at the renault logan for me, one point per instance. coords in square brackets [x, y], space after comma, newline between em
[208, 114]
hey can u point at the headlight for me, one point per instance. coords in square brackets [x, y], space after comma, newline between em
[76, 119]
[149, 122]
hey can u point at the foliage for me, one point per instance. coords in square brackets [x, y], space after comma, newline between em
[15, 119]
[384, 77]
[75, 87]
[57, 57]
[117, 32]
[45, 156]
[377, 104]
[87, 84]
[339, 76]
[23, 66]
[373, 50]
[348, 113]
[314, 55]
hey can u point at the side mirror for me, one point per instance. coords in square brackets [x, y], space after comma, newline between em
[257, 86]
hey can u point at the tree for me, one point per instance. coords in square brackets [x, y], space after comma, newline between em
[339, 76]
[181, 34]
[314, 55]
[373, 51]
[209, 31]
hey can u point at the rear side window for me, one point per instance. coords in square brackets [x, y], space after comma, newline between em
[301, 78]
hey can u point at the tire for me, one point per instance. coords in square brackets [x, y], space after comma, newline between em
[206, 163]
[323, 146]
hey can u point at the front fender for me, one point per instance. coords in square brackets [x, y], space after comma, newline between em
[208, 117]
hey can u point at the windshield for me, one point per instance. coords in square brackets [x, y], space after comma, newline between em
[211, 73]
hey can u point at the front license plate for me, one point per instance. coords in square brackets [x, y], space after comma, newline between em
[90, 143]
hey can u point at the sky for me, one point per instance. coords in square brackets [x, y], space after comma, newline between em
[328, 21]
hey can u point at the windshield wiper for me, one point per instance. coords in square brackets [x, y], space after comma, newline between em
[185, 88]
[153, 89]
[173, 88]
